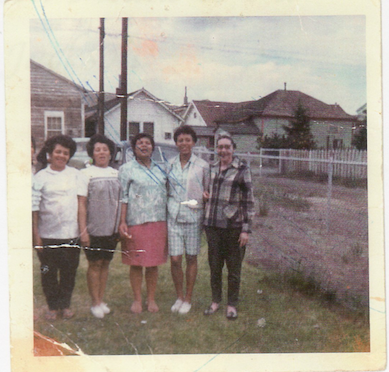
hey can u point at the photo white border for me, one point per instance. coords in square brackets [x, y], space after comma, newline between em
[17, 83]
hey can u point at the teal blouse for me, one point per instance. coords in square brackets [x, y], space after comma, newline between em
[144, 192]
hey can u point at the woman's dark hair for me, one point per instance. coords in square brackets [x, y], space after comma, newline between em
[49, 146]
[99, 138]
[135, 139]
[33, 143]
[227, 137]
[185, 129]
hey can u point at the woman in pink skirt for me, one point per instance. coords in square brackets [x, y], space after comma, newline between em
[143, 220]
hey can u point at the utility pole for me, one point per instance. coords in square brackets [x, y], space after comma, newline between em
[123, 84]
[101, 100]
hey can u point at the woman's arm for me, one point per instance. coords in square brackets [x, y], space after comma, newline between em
[123, 229]
[36, 239]
[247, 206]
[82, 224]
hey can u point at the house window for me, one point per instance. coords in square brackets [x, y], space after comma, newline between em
[337, 144]
[168, 136]
[133, 129]
[148, 128]
[195, 115]
[54, 123]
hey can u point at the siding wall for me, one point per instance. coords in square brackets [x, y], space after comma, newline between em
[340, 130]
[49, 93]
[142, 109]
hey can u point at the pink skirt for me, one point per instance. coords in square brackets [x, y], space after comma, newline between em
[147, 247]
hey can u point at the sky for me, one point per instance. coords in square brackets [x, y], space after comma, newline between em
[230, 59]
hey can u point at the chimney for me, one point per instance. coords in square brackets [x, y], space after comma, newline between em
[285, 86]
[185, 98]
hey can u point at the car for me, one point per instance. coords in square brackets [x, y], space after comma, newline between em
[162, 153]
[81, 158]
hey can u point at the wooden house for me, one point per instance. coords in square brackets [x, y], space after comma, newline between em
[331, 126]
[57, 105]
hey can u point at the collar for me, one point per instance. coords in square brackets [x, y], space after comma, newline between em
[52, 171]
[234, 164]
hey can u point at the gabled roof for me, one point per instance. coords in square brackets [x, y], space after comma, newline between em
[281, 104]
[243, 127]
[211, 111]
[58, 76]
[112, 103]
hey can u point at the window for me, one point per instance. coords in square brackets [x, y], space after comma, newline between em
[148, 128]
[133, 129]
[195, 115]
[168, 136]
[54, 123]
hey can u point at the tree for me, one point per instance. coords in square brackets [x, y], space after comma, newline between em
[299, 134]
[360, 138]
[275, 141]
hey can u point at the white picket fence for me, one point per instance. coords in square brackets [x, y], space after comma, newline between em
[345, 163]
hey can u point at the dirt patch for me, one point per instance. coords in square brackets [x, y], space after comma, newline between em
[326, 243]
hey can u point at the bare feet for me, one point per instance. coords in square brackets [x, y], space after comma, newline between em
[136, 307]
[152, 307]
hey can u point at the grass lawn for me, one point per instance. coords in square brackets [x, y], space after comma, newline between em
[294, 321]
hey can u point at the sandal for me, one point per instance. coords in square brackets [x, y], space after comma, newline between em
[67, 314]
[232, 314]
[51, 315]
[211, 310]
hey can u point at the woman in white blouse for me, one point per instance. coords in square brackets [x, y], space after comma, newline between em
[56, 192]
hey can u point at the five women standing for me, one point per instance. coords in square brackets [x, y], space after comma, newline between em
[148, 195]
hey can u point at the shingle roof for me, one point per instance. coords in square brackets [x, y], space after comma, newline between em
[211, 111]
[91, 112]
[281, 103]
[244, 127]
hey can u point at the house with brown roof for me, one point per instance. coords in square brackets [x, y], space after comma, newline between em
[203, 117]
[145, 113]
[57, 104]
[331, 126]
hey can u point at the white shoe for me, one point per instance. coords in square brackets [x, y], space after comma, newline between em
[97, 311]
[185, 307]
[105, 308]
[177, 305]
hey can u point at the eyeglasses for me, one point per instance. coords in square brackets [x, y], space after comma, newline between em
[221, 147]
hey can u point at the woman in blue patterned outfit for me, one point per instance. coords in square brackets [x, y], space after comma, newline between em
[143, 220]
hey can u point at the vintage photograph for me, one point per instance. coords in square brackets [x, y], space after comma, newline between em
[200, 187]
[287, 95]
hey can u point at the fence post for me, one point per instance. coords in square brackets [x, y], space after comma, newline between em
[329, 189]
[248, 159]
[280, 153]
[260, 162]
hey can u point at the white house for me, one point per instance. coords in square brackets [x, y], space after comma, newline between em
[145, 113]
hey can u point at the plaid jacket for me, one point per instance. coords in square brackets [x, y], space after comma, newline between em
[231, 202]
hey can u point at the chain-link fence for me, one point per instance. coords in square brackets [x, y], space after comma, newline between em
[312, 218]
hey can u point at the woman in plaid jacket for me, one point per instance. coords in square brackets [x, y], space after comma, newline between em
[228, 216]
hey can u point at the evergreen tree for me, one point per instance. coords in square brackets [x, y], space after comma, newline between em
[299, 134]
[360, 138]
[275, 141]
